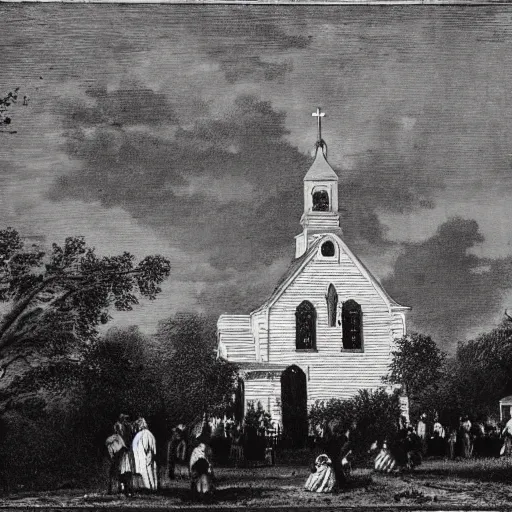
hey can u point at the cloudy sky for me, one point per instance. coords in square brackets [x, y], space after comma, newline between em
[187, 130]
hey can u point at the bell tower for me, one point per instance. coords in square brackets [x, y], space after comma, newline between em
[320, 196]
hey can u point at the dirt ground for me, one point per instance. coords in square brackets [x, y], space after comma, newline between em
[443, 484]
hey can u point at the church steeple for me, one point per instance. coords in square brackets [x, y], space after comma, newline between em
[320, 197]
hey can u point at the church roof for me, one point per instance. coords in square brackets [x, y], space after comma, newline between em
[320, 170]
[299, 263]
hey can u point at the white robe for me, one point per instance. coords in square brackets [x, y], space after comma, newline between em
[144, 452]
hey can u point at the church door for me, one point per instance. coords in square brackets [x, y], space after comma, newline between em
[294, 405]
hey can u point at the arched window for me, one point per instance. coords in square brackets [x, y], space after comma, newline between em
[321, 201]
[327, 249]
[352, 324]
[332, 305]
[305, 318]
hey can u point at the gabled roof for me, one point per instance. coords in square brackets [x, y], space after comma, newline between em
[299, 263]
[320, 170]
[287, 278]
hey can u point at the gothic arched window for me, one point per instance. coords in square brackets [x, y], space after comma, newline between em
[332, 305]
[352, 325]
[305, 333]
[321, 201]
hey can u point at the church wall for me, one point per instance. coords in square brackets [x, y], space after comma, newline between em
[265, 389]
[330, 371]
[234, 332]
[260, 331]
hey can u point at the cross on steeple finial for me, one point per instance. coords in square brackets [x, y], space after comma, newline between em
[319, 114]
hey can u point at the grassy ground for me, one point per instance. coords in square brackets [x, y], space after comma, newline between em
[474, 483]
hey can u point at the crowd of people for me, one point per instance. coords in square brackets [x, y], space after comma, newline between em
[465, 440]
[132, 450]
[407, 448]
[189, 454]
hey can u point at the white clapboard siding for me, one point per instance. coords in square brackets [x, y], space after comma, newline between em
[331, 372]
[235, 334]
[268, 334]
[267, 391]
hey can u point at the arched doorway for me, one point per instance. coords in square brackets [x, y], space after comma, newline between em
[294, 403]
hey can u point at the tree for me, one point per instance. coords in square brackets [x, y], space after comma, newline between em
[375, 415]
[5, 103]
[418, 366]
[194, 379]
[66, 292]
[68, 409]
[480, 372]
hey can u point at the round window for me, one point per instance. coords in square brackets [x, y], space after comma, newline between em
[328, 249]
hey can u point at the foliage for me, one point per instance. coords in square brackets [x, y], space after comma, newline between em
[479, 373]
[169, 379]
[417, 365]
[371, 415]
[66, 293]
[257, 418]
[5, 103]
[195, 381]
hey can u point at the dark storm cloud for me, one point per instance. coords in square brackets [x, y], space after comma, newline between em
[239, 50]
[382, 180]
[449, 289]
[224, 183]
[253, 68]
[132, 105]
[148, 176]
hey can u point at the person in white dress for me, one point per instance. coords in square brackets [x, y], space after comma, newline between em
[144, 455]
[322, 478]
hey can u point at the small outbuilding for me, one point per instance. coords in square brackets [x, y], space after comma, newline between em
[506, 408]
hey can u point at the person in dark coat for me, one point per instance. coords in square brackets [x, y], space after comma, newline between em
[177, 451]
[334, 446]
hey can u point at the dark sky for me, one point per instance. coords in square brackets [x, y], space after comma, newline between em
[187, 131]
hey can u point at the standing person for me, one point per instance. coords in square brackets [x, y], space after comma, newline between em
[506, 434]
[118, 446]
[144, 454]
[345, 453]
[421, 430]
[438, 438]
[201, 469]
[333, 446]
[467, 448]
[452, 443]
[177, 452]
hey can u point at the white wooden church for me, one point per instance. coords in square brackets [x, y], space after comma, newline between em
[328, 327]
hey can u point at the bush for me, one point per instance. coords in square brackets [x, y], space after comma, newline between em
[369, 415]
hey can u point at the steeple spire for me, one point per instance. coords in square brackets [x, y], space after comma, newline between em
[319, 114]
[320, 196]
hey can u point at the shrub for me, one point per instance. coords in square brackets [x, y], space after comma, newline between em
[370, 415]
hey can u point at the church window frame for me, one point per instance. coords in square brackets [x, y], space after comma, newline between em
[332, 300]
[320, 200]
[305, 327]
[327, 247]
[337, 253]
[352, 326]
